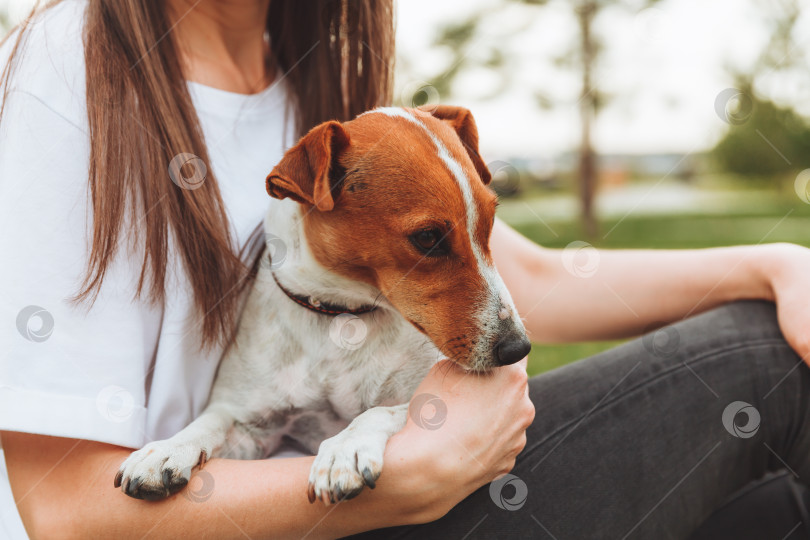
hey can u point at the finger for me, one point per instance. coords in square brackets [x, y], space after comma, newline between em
[799, 342]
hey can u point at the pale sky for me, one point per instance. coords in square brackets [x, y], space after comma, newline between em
[663, 68]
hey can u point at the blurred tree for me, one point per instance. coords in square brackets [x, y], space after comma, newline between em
[784, 51]
[583, 57]
[586, 11]
[772, 142]
[765, 138]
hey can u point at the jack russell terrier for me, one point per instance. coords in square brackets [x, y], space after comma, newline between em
[386, 225]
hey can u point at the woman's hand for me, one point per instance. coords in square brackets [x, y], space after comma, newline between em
[787, 269]
[463, 431]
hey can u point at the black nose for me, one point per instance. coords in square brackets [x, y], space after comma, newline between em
[510, 350]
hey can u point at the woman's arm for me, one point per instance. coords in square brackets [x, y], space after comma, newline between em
[64, 487]
[614, 294]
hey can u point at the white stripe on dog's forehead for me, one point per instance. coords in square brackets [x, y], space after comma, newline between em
[455, 168]
[497, 295]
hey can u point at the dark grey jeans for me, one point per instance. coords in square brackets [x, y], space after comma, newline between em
[648, 440]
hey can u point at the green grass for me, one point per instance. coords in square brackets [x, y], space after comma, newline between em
[676, 232]
[547, 357]
[777, 220]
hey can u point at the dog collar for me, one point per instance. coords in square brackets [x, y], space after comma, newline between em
[321, 307]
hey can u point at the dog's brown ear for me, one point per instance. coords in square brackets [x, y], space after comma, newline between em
[308, 171]
[462, 121]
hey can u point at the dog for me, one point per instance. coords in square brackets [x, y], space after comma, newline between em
[385, 221]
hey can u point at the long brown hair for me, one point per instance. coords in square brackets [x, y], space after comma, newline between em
[338, 60]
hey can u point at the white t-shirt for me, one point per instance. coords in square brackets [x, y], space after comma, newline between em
[124, 372]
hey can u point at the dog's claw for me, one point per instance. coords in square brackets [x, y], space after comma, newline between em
[167, 478]
[159, 470]
[133, 486]
[344, 466]
[311, 493]
[369, 478]
[353, 494]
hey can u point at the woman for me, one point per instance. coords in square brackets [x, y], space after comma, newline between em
[133, 280]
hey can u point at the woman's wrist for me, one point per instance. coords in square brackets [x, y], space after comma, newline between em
[414, 475]
[769, 266]
[430, 478]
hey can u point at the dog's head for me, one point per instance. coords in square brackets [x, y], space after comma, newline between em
[397, 198]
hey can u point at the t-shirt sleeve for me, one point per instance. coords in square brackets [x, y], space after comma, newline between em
[66, 369]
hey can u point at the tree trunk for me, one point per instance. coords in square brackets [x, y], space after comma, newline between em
[587, 109]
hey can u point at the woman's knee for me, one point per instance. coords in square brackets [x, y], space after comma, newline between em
[740, 337]
[734, 324]
[718, 335]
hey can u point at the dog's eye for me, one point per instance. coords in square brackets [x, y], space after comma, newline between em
[427, 239]
[430, 242]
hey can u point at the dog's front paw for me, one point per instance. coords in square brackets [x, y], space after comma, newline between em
[344, 465]
[158, 470]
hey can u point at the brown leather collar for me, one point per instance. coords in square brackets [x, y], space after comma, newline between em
[321, 307]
